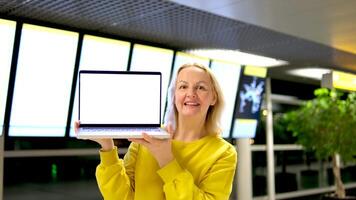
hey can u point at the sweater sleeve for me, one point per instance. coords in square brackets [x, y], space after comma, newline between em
[216, 184]
[115, 176]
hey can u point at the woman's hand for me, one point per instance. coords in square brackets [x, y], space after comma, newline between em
[107, 144]
[161, 149]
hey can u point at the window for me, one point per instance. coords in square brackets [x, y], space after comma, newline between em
[43, 82]
[228, 75]
[7, 34]
[147, 58]
[101, 54]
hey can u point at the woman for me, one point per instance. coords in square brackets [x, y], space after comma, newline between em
[195, 163]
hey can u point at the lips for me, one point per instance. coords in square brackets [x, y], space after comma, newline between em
[189, 103]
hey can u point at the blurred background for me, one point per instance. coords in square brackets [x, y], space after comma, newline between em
[276, 49]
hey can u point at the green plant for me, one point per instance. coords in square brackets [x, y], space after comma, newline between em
[326, 125]
[280, 131]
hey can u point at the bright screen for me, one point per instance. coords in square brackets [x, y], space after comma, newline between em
[104, 54]
[147, 58]
[100, 53]
[228, 76]
[119, 98]
[7, 34]
[244, 128]
[250, 96]
[184, 58]
[44, 79]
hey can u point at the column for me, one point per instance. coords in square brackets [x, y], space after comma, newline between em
[244, 170]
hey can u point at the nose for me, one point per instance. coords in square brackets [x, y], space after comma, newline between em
[191, 92]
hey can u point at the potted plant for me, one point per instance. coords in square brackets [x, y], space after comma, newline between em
[326, 125]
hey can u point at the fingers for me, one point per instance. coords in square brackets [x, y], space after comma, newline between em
[145, 140]
[76, 126]
[148, 138]
[139, 141]
[169, 129]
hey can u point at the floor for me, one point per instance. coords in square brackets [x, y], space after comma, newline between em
[77, 190]
[65, 190]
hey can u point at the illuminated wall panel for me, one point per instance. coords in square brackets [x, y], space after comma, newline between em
[228, 75]
[7, 34]
[100, 53]
[184, 58]
[43, 82]
[147, 58]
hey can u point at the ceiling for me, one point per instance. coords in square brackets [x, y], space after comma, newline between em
[305, 33]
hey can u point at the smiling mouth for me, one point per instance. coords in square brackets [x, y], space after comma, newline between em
[191, 104]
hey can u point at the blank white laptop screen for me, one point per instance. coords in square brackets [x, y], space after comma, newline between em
[119, 98]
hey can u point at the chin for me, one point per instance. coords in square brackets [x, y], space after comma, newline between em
[190, 114]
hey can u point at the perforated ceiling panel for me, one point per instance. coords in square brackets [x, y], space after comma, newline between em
[177, 26]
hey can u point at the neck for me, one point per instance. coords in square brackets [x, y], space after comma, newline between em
[190, 129]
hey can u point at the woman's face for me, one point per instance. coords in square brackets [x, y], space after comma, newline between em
[194, 92]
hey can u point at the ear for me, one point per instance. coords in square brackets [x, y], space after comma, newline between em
[213, 102]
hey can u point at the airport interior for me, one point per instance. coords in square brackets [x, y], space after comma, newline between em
[269, 57]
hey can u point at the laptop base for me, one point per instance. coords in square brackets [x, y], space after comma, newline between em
[95, 133]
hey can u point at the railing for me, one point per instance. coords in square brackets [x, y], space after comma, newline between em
[55, 152]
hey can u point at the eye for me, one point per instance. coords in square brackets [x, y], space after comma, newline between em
[182, 87]
[201, 87]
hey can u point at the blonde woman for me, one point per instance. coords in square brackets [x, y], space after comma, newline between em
[195, 163]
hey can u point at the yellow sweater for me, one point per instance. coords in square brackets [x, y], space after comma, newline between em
[203, 169]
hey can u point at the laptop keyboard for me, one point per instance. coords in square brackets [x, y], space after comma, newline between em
[92, 132]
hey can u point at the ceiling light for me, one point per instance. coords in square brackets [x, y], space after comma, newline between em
[239, 57]
[313, 72]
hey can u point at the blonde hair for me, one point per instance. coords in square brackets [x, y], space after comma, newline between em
[213, 115]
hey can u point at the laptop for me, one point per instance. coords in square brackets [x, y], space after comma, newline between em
[120, 104]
